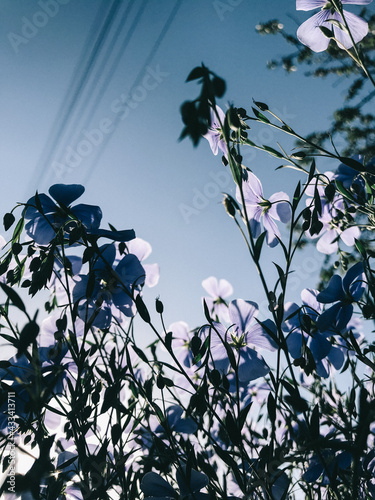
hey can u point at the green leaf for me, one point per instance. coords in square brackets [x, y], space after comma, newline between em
[243, 414]
[311, 171]
[196, 73]
[202, 351]
[360, 247]
[232, 429]
[260, 116]
[347, 194]
[110, 398]
[116, 432]
[142, 309]
[258, 245]
[219, 86]
[271, 407]
[140, 353]
[261, 105]
[28, 335]
[13, 297]
[326, 31]
[272, 152]
[350, 162]
[314, 423]
[18, 229]
[296, 196]
[281, 274]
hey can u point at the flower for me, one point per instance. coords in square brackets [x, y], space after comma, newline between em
[218, 290]
[42, 226]
[113, 288]
[277, 207]
[310, 34]
[45, 217]
[327, 465]
[342, 291]
[176, 422]
[333, 229]
[240, 336]
[190, 483]
[301, 323]
[214, 134]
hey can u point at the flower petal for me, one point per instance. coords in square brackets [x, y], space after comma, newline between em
[333, 292]
[198, 480]
[309, 4]
[258, 336]
[357, 26]
[241, 313]
[90, 215]
[211, 286]
[310, 35]
[349, 235]
[66, 193]
[251, 366]
[154, 485]
[326, 243]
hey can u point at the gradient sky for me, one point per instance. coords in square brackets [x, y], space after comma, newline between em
[136, 169]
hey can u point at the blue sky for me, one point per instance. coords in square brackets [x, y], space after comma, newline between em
[119, 137]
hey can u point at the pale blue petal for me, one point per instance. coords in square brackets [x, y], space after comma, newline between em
[241, 313]
[272, 231]
[310, 34]
[309, 4]
[259, 337]
[252, 365]
[357, 26]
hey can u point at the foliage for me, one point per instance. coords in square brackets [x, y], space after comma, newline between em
[246, 405]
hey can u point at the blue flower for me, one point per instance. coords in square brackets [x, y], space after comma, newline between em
[309, 32]
[214, 134]
[111, 291]
[155, 487]
[176, 422]
[240, 337]
[42, 226]
[21, 373]
[302, 325]
[326, 465]
[342, 291]
[275, 208]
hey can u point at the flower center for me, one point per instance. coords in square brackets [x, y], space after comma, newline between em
[238, 342]
[265, 204]
[329, 6]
